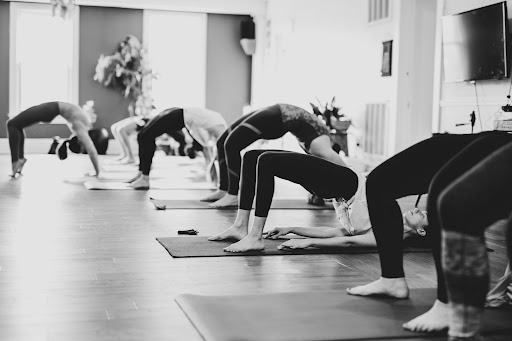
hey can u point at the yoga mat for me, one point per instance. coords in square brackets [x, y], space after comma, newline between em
[282, 204]
[316, 316]
[132, 167]
[105, 185]
[105, 176]
[185, 246]
[167, 167]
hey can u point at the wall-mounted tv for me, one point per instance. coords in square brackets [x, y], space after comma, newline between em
[475, 44]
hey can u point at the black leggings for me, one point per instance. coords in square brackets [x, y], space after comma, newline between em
[266, 123]
[320, 177]
[168, 121]
[466, 207]
[45, 112]
[425, 167]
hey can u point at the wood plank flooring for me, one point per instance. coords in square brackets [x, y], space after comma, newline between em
[85, 265]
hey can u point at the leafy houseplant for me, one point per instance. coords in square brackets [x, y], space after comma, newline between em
[331, 115]
[126, 70]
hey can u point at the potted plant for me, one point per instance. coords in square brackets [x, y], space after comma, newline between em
[126, 70]
[331, 115]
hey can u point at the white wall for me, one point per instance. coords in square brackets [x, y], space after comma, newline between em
[415, 74]
[458, 100]
[321, 48]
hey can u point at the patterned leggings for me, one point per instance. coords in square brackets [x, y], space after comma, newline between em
[470, 204]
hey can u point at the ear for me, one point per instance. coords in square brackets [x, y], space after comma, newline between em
[422, 232]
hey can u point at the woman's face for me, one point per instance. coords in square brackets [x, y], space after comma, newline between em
[415, 222]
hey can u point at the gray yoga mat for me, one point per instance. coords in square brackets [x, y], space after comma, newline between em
[114, 185]
[282, 204]
[316, 316]
[197, 246]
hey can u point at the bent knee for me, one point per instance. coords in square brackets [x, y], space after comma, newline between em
[252, 154]
[265, 159]
[10, 124]
[449, 206]
[377, 183]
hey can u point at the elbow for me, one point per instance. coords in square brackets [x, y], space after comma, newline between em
[349, 243]
[343, 242]
[337, 232]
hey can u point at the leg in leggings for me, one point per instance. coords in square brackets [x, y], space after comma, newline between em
[16, 140]
[179, 137]
[318, 176]
[466, 159]
[263, 124]
[45, 112]
[221, 157]
[407, 173]
[258, 171]
[224, 182]
[436, 318]
[466, 208]
[167, 121]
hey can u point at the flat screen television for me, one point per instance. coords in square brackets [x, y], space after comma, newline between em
[475, 44]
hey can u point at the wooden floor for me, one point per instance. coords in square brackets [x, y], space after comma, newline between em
[85, 265]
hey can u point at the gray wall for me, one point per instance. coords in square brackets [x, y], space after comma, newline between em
[101, 29]
[228, 69]
[4, 65]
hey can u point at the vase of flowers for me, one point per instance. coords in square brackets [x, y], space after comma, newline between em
[126, 70]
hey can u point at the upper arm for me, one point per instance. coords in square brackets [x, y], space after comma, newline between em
[83, 136]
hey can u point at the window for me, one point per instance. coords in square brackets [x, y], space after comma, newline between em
[44, 57]
[176, 47]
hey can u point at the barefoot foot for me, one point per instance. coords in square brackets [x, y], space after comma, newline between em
[14, 166]
[126, 161]
[142, 183]
[218, 194]
[20, 164]
[392, 287]
[228, 200]
[233, 233]
[135, 178]
[436, 319]
[247, 244]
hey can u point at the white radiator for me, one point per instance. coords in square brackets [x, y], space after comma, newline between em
[375, 137]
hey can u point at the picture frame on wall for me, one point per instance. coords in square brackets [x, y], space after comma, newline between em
[387, 57]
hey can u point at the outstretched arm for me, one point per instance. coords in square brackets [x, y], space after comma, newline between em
[313, 232]
[82, 133]
[365, 240]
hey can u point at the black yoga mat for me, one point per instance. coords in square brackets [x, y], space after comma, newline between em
[316, 316]
[282, 204]
[113, 185]
[185, 246]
